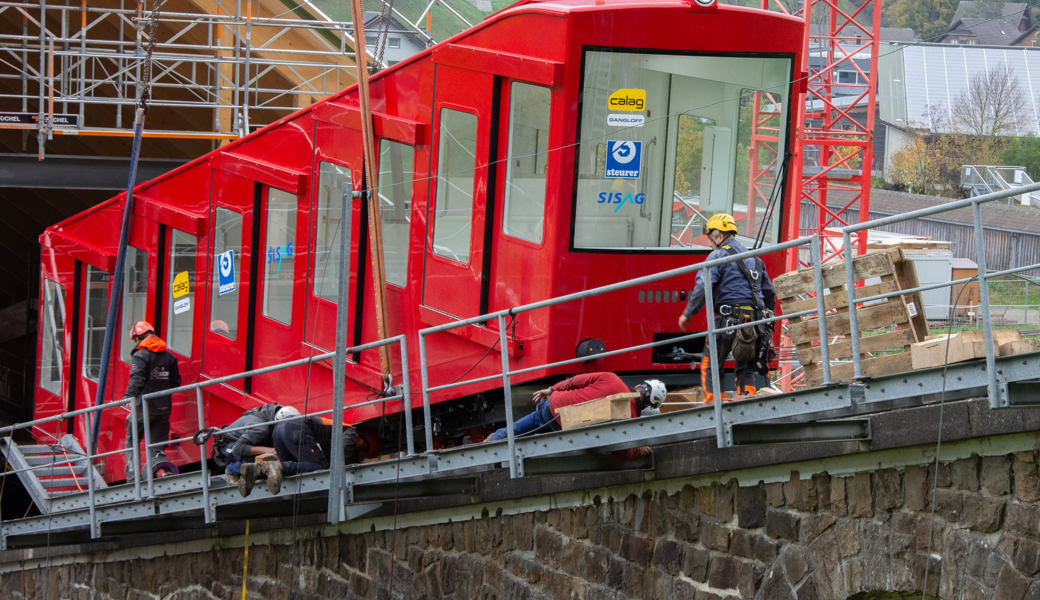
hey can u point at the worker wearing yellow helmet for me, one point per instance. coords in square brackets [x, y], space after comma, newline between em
[741, 292]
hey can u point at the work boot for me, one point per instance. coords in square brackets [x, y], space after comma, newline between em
[273, 468]
[248, 478]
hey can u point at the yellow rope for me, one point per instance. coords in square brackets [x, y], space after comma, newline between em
[245, 560]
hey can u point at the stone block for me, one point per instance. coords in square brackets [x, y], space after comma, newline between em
[1027, 482]
[852, 574]
[1026, 557]
[858, 495]
[837, 500]
[1023, 519]
[815, 525]
[763, 549]
[846, 532]
[782, 525]
[521, 529]
[724, 571]
[740, 543]
[714, 535]
[571, 557]
[668, 556]
[775, 494]
[775, 586]
[548, 546]
[800, 493]
[725, 501]
[706, 499]
[684, 526]
[637, 548]
[794, 563]
[995, 475]
[751, 506]
[807, 590]
[596, 564]
[983, 513]
[949, 504]
[941, 473]
[1034, 592]
[1011, 585]
[695, 562]
[964, 474]
[888, 489]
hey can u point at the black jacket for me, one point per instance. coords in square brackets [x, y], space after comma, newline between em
[153, 369]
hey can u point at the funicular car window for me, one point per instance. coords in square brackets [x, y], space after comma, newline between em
[396, 170]
[665, 142]
[95, 312]
[331, 181]
[135, 297]
[453, 216]
[53, 341]
[279, 255]
[180, 309]
[524, 200]
[227, 254]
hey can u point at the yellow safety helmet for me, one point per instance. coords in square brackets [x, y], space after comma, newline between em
[722, 222]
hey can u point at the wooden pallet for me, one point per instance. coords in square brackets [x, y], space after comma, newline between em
[874, 273]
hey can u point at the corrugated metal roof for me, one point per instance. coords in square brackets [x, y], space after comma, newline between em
[919, 82]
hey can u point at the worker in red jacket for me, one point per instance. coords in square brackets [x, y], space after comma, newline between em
[577, 389]
[153, 369]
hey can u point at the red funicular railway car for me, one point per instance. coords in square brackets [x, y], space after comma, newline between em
[555, 147]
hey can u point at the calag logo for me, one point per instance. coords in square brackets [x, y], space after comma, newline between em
[623, 159]
[627, 99]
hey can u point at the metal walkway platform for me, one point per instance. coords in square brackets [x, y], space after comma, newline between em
[823, 413]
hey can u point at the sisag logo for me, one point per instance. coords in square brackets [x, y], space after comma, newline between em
[620, 199]
[627, 99]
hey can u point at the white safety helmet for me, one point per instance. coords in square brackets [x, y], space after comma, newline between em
[654, 392]
[286, 412]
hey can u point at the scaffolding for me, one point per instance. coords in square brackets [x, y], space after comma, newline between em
[221, 68]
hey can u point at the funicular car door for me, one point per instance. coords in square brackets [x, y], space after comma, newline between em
[58, 336]
[228, 340]
[455, 271]
[281, 278]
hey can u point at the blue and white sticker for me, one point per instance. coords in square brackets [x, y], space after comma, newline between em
[623, 159]
[226, 272]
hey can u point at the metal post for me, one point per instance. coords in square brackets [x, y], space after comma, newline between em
[147, 448]
[514, 463]
[821, 308]
[135, 454]
[721, 439]
[995, 399]
[850, 284]
[406, 397]
[425, 378]
[339, 370]
[207, 510]
[95, 531]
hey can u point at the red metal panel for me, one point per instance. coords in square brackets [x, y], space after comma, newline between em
[398, 129]
[516, 66]
[277, 175]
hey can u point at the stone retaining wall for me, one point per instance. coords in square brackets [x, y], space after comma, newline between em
[821, 538]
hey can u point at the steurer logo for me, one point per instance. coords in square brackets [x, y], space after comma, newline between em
[623, 159]
[627, 99]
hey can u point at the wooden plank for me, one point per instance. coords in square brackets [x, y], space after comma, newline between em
[872, 367]
[901, 338]
[869, 317]
[600, 410]
[864, 267]
[906, 277]
[838, 297]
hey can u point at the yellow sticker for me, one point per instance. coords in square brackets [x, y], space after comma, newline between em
[627, 99]
[180, 284]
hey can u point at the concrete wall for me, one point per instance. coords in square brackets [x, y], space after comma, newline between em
[859, 523]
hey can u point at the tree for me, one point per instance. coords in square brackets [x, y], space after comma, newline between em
[928, 19]
[991, 104]
[1024, 152]
[916, 166]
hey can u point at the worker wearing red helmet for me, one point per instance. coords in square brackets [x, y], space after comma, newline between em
[740, 293]
[153, 368]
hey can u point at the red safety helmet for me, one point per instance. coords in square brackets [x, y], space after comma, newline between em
[141, 328]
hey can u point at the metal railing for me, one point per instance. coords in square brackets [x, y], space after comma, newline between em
[429, 462]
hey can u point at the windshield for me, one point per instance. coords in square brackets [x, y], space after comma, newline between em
[668, 140]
